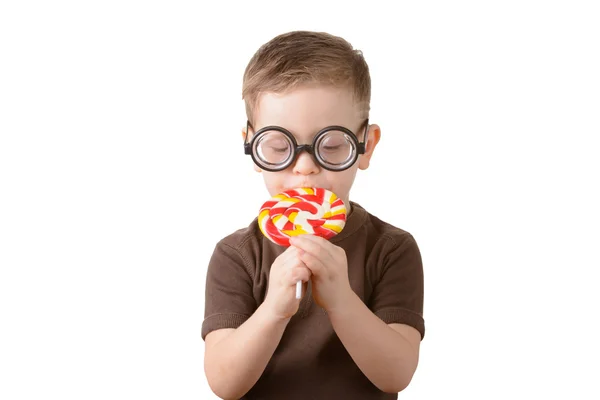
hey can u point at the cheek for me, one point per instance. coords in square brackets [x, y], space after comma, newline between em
[343, 181]
[273, 182]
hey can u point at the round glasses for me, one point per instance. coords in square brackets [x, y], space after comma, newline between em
[334, 148]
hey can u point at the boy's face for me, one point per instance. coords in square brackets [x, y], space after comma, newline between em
[304, 112]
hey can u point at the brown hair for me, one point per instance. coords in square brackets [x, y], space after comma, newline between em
[303, 57]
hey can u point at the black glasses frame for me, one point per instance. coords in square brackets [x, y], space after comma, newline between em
[310, 148]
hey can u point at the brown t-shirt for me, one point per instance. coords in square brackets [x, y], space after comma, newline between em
[310, 362]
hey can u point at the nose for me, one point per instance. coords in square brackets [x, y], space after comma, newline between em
[305, 164]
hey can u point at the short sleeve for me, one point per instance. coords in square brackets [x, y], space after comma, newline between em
[229, 301]
[398, 295]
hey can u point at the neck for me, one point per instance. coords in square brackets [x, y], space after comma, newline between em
[348, 207]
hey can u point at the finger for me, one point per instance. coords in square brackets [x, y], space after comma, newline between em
[289, 250]
[331, 250]
[312, 245]
[299, 273]
[313, 242]
[312, 262]
[289, 254]
[293, 260]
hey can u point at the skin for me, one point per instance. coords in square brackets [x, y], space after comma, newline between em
[304, 112]
[386, 354]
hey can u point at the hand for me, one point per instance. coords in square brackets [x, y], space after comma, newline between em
[286, 270]
[329, 267]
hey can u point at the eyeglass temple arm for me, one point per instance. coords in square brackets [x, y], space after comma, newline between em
[247, 148]
[362, 146]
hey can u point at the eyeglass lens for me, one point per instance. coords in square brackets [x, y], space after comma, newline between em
[335, 149]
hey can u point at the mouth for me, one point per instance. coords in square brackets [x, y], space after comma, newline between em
[305, 186]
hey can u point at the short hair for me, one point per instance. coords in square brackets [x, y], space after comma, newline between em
[295, 58]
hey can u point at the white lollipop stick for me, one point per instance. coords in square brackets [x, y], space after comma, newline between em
[298, 289]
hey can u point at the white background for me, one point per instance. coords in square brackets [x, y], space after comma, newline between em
[121, 166]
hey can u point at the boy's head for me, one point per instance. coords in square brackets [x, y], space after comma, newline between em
[303, 82]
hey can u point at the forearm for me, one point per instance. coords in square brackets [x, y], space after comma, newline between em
[235, 363]
[381, 353]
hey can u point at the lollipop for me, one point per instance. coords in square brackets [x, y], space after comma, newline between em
[302, 211]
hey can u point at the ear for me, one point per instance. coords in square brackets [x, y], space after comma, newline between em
[373, 136]
[256, 168]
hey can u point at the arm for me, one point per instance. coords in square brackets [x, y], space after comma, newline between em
[235, 358]
[237, 352]
[387, 354]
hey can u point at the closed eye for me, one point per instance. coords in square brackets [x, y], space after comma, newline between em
[331, 148]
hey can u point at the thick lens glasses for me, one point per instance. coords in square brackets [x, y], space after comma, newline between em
[334, 148]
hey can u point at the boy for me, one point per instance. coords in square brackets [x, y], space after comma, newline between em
[356, 331]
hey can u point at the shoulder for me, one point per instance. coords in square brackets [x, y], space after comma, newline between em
[384, 233]
[242, 238]
[389, 247]
[244, 243]
[248, 247]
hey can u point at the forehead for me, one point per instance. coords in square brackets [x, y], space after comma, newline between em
[306, 110]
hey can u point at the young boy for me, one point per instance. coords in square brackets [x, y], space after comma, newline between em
[356, 331]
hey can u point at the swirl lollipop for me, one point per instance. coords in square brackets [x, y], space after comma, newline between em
[302, 211]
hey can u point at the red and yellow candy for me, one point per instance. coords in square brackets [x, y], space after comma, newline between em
[301, 211]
